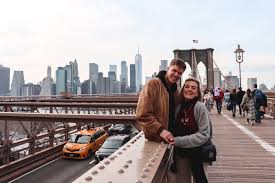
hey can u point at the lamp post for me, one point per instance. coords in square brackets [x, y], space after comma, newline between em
[239, 58]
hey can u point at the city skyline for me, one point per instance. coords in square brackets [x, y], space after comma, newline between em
[102, 84]
[217, 75]
[35, 34]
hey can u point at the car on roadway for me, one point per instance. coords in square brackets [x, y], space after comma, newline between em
[84, 143]
[120, 129]
[111, 144]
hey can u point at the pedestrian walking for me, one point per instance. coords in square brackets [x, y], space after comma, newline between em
[249, 106]
[226, 98]
[218, 98]
[234, 101]
[208, 101]
[240, 95]
[260, 103]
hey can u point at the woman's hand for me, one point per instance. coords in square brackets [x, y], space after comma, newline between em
[167, 136]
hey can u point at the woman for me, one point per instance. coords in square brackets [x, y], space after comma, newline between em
[226, 98]
[234, 101]
[249, 106]
[208, 101]
[191, 132]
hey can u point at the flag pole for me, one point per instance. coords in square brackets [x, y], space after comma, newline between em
[195, 41]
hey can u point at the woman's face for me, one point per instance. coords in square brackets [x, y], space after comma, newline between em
[190, 90]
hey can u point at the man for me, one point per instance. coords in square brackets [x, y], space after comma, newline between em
[156, 105]
[260, 100]
[218, 96]
[240, 95]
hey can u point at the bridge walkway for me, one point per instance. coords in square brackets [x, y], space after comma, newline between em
[245, 153]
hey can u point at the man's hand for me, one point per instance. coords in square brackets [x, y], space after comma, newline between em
[167, 136]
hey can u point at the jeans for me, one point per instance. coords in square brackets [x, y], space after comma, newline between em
[190, 171]
[240, 109]
[258, 114]
[219, 106]
[234, 109]
[226, 101]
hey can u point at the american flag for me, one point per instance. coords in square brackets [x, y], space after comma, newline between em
[195, 41]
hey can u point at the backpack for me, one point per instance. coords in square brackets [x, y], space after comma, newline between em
[259, 98]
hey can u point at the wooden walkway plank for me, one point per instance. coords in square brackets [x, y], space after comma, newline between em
[240, 158]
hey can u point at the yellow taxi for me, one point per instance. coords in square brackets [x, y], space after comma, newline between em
[84, 143]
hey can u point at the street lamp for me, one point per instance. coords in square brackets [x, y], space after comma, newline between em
[239, 58]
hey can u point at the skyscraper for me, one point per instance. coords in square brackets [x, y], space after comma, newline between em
[74, 66]
[17, 83]
[100, 75]
[93, 71]
[124, 76]
[132, 78]
[76, 85]
[112, 75]
[85, 87]
[93, 75]
[163, 65]
[49, 72]
[138, 63]
[69, 78]
[113, 68]
[47, 87]
[113, 82]
[61, 80]
[251, 82]
[30, 89]
[231, 82]
[103, 84]
[4, 80]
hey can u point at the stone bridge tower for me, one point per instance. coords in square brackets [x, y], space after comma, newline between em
[193, 57]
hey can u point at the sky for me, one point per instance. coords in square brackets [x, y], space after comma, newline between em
[36, 33]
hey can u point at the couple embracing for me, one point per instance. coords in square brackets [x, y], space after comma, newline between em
[178, 118]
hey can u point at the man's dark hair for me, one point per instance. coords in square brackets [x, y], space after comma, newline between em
[255, 86]
[179, 62]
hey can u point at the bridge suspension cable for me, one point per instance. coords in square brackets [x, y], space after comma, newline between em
[197, 75]
[229, 83]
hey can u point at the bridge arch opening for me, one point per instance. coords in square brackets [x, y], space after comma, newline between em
[193, 57]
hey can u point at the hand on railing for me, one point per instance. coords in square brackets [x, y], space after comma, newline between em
[167, 136]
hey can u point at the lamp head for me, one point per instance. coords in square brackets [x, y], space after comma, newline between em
[239, 54]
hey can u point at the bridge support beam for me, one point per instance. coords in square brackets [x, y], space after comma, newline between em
[193, 57]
